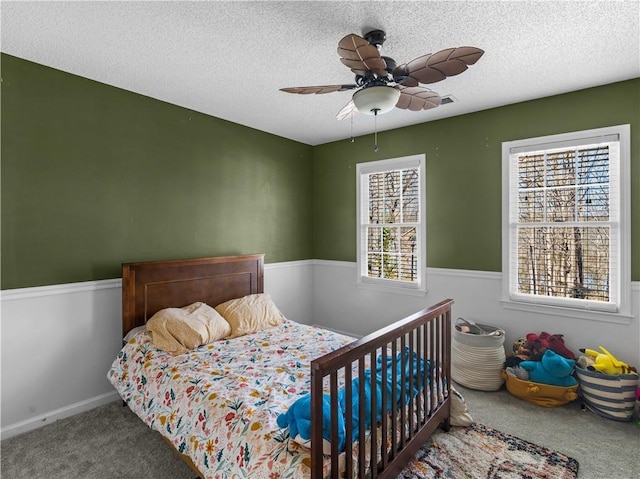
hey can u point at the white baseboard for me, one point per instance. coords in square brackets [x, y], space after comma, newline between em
[52, 416]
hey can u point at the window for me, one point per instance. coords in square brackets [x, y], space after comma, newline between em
[566, 220]
[391, 225]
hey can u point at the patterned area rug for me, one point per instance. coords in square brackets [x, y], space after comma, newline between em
[479, 452]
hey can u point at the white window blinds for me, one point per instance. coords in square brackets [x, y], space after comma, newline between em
[565, 228]
[391, 222]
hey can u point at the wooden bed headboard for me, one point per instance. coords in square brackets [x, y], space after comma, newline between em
[148, 287]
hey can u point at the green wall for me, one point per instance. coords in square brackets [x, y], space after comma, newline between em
[93, 176]
[464, 173]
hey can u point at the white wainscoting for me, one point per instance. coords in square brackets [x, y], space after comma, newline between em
[340, 304]
[73, 332]
[57, 345]
[290, 285]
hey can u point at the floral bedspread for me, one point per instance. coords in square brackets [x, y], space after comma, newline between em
[219, 403]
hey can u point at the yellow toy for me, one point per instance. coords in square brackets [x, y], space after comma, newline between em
[607, 363]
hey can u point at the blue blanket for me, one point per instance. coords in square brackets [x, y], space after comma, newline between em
[298, 416]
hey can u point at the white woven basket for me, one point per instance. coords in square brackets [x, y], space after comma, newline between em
[477, 359]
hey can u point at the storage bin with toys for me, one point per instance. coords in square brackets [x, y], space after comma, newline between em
[540, 370]
[543, 371]
[608, 385]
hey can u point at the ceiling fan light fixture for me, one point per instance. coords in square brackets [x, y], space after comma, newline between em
[375, 100]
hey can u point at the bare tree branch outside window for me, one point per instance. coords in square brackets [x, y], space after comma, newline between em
[393, 217]
[562, 232]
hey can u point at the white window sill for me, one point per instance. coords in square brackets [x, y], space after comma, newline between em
[591, 315]
[392, 289]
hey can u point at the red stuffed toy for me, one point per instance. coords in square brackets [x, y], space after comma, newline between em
[539, 344]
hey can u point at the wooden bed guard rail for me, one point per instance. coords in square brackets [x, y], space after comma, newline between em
[394, 435]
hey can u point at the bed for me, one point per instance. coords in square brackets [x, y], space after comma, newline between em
[218, 405]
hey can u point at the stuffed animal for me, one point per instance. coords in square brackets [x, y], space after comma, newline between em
[606, 363]
[518, 372]
[537, 346]
[585, 362]
[418, 366]
[540, 343]
[521, 349]
[552, 369]
[556, 344]
[298, 419]
[298, 416]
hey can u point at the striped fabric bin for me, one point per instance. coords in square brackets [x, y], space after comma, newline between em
[609, 396]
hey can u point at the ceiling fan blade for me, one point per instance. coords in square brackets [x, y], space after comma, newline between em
[361, 56]
[468, 55]
[406, 80]
[417, 98]
[435, 67]
[318, 90]
[349, 109]
[349, 44]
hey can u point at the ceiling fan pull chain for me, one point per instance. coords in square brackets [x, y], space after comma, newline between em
[375, 129]
[352, 138]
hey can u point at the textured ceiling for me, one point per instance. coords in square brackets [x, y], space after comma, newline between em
[229, 59]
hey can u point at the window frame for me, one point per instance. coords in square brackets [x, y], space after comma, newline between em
[619, 308]
[362, 200]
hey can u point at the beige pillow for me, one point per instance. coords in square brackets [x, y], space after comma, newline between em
[250, 313]
[459, 412]
[178, 330]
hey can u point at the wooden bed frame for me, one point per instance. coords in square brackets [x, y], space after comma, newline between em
[148, 287]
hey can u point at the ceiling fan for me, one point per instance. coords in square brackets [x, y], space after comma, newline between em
[381, 84]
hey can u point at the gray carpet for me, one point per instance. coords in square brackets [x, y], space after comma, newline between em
[111, 442]
[108, 442]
